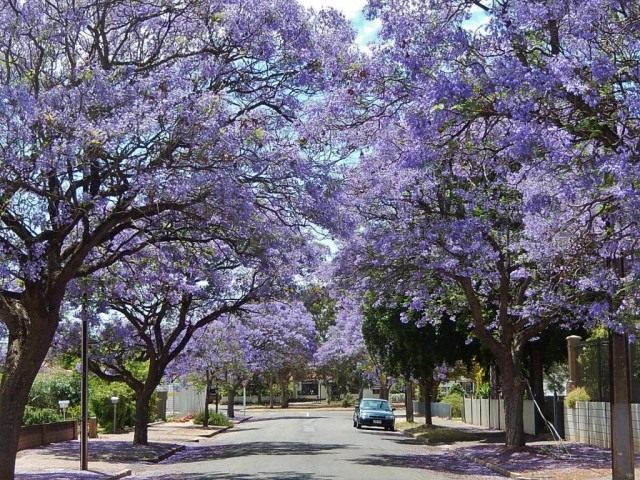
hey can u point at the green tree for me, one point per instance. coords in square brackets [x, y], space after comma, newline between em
[404, 348]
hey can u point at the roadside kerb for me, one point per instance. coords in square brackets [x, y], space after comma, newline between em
[121, 474]
[223, 429]
[479, 461]
[492, 466]
[166, 455]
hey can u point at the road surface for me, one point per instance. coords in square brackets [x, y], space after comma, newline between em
[311, 445]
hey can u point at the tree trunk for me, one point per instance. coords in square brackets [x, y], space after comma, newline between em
[408, 400]
[536, 378]
[494, 390]
[231, 398]
[141, 432]
[512, 390]
[13, 398]
[426, 388]
[205, 419]
[26, 350]
[271, 399]
[284, 393]
[384, 391]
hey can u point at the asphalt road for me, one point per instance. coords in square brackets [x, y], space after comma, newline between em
[311, 445]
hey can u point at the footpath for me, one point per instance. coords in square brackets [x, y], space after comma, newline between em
[540, 460]
[111, 456]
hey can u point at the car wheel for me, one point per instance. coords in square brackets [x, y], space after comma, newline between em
[358, 425]
[355, 424]
[393, 429]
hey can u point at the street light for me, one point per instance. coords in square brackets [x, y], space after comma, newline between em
[115, 401]
[63, 404]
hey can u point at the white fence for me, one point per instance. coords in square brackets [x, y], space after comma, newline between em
[590, 423]
[184, 400]
[490, 413]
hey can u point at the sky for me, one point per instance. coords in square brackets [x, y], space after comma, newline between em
[352, 10]
[367, 30]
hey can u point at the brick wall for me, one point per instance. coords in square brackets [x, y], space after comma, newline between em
[35, 435]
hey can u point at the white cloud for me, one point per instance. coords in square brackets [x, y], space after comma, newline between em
[350, 8]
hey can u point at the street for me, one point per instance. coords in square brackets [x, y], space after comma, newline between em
[311, 445]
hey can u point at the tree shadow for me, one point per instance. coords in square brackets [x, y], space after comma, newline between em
[437, 462]
[85, 475]
[111, 451]
[220, 452]
[244, 476]
[540, 458]
[283, 417]
[233, 430]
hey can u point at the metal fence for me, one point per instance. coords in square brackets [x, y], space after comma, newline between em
[593, 370]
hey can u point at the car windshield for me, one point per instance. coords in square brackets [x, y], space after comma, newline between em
[374, 405]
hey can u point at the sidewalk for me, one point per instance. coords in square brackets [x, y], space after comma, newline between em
[111, 456]
[541, 459]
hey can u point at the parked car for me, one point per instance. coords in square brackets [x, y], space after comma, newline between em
[374, 412]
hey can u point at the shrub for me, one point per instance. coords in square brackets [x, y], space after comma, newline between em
[218, 419]
[347, 401]
[38, 416]
[100, 393]
[576, 395]
[48, 389]
[397, 397]
[483, 391]
[455, 399]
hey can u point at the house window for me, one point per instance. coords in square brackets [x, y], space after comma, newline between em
[309, 387]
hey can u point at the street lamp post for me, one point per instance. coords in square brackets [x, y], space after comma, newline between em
[63, 404]
[115, 401]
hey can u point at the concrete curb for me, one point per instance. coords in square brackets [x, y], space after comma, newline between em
[121, 474]
[166, 455]
[224, 429]
[480, 461]
[493, 466]
[215, 432]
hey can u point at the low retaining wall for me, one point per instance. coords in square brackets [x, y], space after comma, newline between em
[35, 435]
[590, 423]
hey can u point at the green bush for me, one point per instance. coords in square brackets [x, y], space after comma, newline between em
[100, 406]
[48, 389]
[347, 401]
[38, 416]
[576, 395]
[483, 391]
[455, 399]
[217, 419]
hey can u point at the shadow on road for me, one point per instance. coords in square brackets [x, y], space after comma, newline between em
[436, 462]
[221, 452]
[243, 476]
[283, 417]
[59, 476]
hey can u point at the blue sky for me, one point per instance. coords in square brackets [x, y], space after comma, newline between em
[368, 30]
[352, 10]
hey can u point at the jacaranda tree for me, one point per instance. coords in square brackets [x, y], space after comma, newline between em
[505, 165]
[126, 122]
